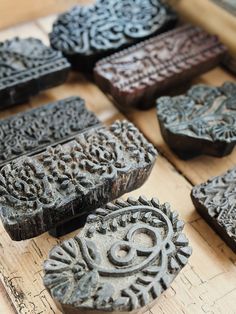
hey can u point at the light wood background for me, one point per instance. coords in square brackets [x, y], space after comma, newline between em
[206, 285]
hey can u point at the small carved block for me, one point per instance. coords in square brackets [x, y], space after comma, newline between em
[86, 34]
[27, 67]
[135, 76]
[127, 254]
[40, 192]
[201, 122]
[215, 200]
[31, 131]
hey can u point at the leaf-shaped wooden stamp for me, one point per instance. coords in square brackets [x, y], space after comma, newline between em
[135, 76]
[127, 254]
[216, 202]
[39, 193]
[201, 122]
[32, 131]
[86, 34]
[27, 67]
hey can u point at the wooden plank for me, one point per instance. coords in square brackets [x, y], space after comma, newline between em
[14, 12]
[206, 284]
[198, 169]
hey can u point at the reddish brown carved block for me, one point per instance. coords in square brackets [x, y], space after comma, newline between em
[135, 76]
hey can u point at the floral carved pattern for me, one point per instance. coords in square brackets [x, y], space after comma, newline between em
[216, 202]
[137, 239]
[205, 113]
[33, 130]
[108, 25]
[99, 164]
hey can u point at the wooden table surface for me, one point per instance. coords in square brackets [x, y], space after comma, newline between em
[206, 285]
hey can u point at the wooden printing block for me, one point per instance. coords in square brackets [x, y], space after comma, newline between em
[127, 254]
[27, 67]
[203, 121]
[41, 192]
[86, 34]
[135, 76]
[30, 132]
[215, 200]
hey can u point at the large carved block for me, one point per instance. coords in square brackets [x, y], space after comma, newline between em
[201, 122]
[27, 67]
[99, 165]
[127, 254]
[216, 202]
[86, 34]
[30, 132]
[135, 76]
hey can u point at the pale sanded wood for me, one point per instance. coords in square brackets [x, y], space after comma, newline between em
[14, 12]
[206, 284]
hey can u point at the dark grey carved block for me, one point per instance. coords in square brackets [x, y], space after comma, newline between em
[86, 34]
[27, 67]
[127, 254]
[29, 132]
[201, 122]
[216, 202]
[40, 192]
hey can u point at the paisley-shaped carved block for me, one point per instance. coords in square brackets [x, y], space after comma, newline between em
[135, 76]
[215, 200]
[127, 254]
[86, 34]
[30, 132]
[40, 192]
[27, 67]
[203, 121]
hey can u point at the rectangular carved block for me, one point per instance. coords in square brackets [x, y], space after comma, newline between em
[135, 76]
[30, 132]
[43, 191]
[27, 67]
[216, 202]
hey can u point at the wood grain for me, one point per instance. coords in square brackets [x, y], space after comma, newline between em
[206, 285]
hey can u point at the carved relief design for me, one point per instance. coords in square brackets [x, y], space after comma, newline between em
[205, 113]
[159, 58]
[97, 162]
[33, 130]
[108, 25]
[216, 201]
[127, 254]
[27, 58]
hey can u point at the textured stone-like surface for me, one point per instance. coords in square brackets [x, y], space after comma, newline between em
[135, 76]
[85, 34]
[99, 165]
[201, 122]
[31, 131]
[216, 202]
[127, 254]
[27, 67]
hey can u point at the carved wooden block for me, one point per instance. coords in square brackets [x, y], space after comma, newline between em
[27, 67]
[40, 192]
[135, 76]
[30, 132]
[86, 34]
[127, 254]
[215, 200]
[201, 122]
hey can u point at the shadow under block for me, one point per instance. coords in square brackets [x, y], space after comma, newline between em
[127, 254]
[40, 192]
[28, 67]
[32, 131]
[203, 121]
[215, 200]
[135, 76]
[86, 34]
